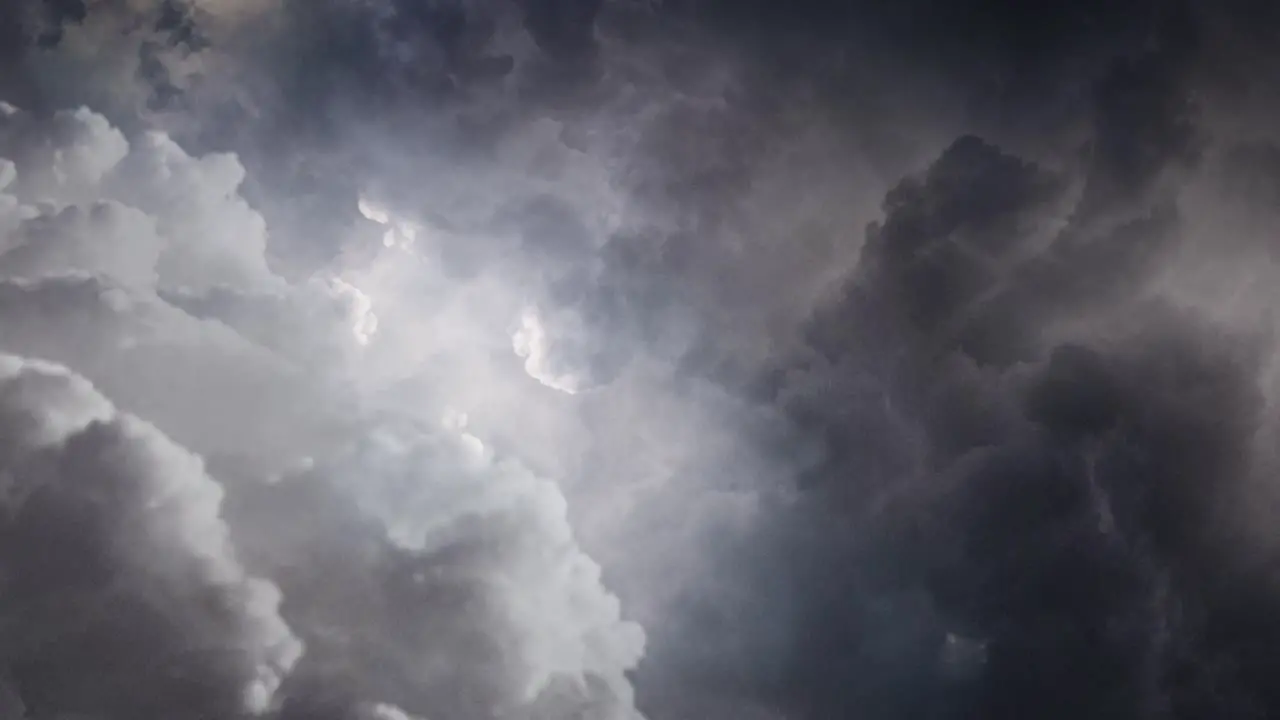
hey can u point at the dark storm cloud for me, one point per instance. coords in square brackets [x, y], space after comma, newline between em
[184, 324]
[1040, 473]
[1074, 505]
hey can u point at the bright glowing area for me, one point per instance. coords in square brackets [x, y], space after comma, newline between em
[373, 212]
[456, 422]
[383, 711]
[531, 343]
[360, 310]
[397, 231]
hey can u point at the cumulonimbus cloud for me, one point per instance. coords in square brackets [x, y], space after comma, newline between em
[905, 383]
[181, 323]
[116, 548]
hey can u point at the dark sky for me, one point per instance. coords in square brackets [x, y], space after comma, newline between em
[885, 361]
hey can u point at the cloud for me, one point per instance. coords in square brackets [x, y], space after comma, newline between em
[441, 579]
[1038, 438]
[210, 236]
[383, 711]
[136, 604]
[918, 363]
[107, 237]
[99, 225]
[138, 265]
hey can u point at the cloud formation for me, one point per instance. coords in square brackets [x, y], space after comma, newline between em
[140, 266]
[123, 594]
[886, 362]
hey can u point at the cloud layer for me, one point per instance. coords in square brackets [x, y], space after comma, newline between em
[598, 358]
[459, 589]
[123, 594]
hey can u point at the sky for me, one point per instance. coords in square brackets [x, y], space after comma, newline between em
[639, 360]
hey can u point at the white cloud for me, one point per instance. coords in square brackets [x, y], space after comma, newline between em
[207, 234]
[359, 309]
[103, 238]
[383, 711]
[440, 493]
[532, 343]
[190, 376]
[140, 267]
[63, 158]
[135, 563]
[214, 237]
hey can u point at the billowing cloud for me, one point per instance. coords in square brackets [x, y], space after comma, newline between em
[138, 265]
[885, 362]
[1040, 439]
[211, 237]
[123, 595]
[442, 579]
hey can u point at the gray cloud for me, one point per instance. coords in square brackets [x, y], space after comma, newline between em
[1008, 444]
[1038, 439]
[138, 265]
[123, 596]
[447, 599]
